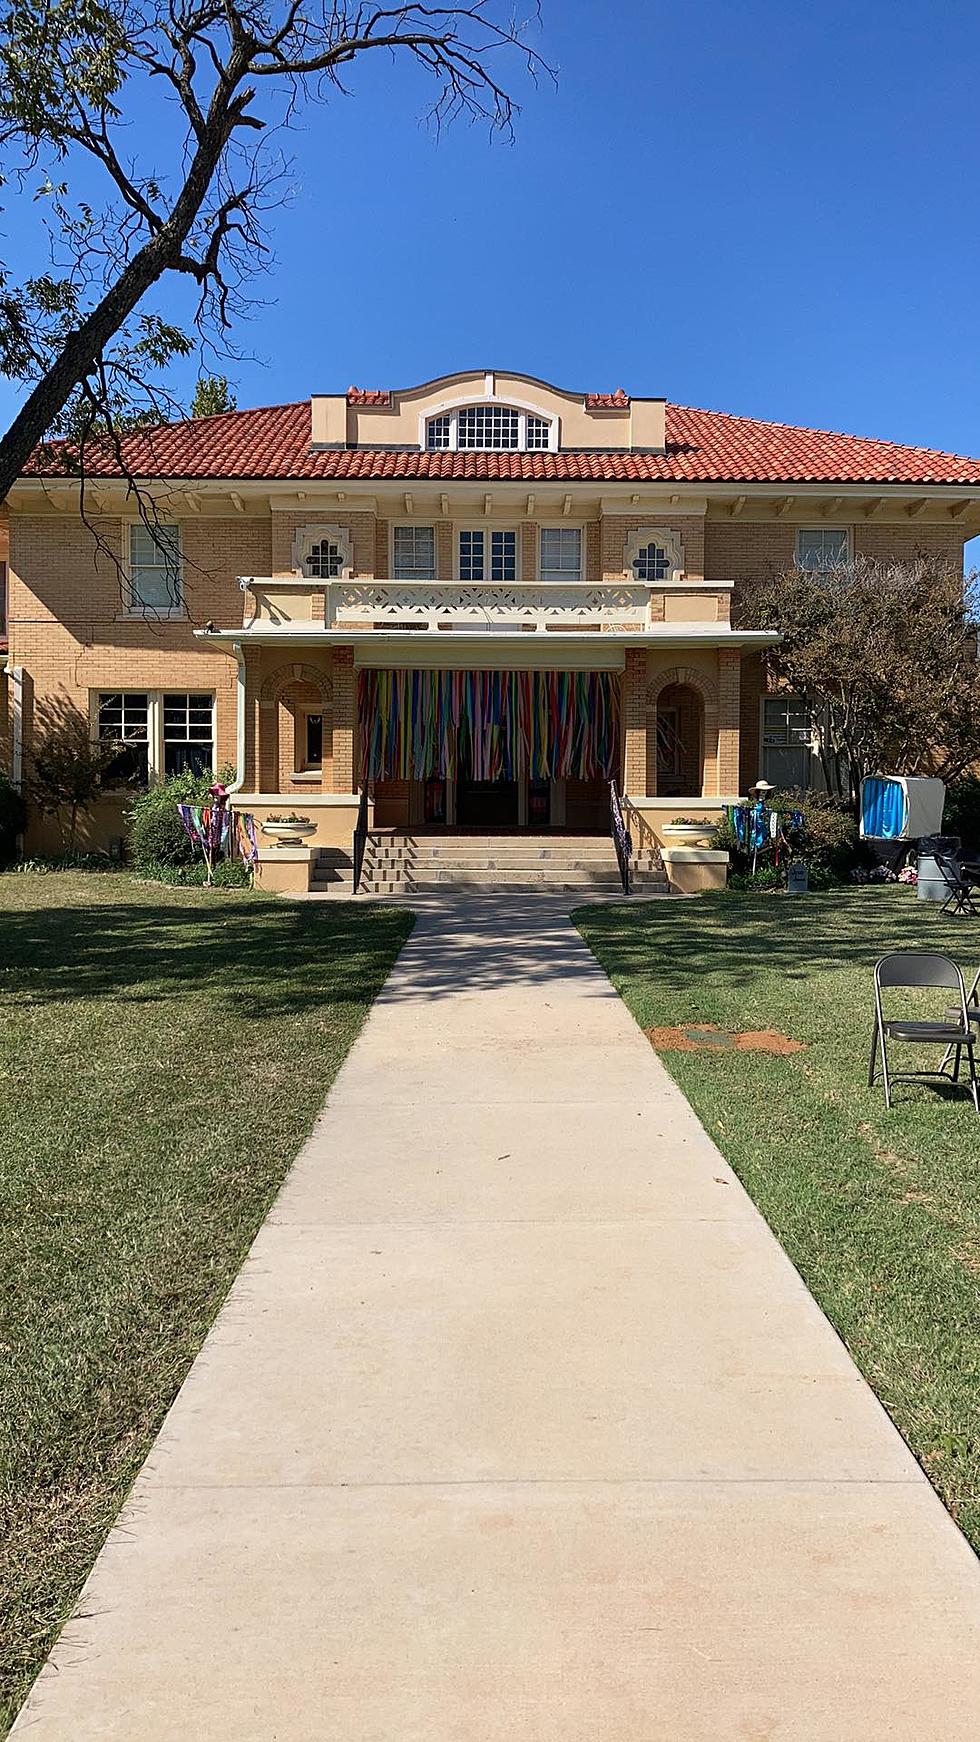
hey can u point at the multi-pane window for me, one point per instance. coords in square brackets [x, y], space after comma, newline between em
[157, 734]
[124, 719]
[486, 555]
[188, 733]
[652, 565]
[787, 737]
[490, 429]
[493, 427]
[438, 433]
[155, 567]
[821, 548]
[325, 560]
[414, 553]
[561, 553]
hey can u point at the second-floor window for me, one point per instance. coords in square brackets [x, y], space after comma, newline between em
[155, 568]
[561, 553]
[414, 553]
[325, 560]
[486, 554]
[821, 548]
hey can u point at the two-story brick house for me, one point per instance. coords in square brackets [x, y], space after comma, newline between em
[484, 597]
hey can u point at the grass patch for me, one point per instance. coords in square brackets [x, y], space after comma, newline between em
[163, 1054]
[880, 1212]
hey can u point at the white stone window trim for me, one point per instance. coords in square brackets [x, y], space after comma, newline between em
[155, 751]
[418, 526]
[666, 540]
[524, 408]
[565, 578]
[134, 608]
[487, 528]
[329, 532]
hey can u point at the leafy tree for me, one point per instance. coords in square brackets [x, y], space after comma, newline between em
[68, 766]
[211, 396]
[235, 73]
[886, 655]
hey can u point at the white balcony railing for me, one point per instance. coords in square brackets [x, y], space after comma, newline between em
[474, 605]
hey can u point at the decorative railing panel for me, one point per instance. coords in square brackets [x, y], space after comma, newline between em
[535, 602]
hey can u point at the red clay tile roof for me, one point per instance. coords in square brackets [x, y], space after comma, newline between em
[368, 396]
[703, 447]
[617, 401]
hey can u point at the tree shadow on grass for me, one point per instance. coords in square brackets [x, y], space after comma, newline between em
[264, 959]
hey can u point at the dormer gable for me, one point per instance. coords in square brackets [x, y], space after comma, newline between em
[489, 411]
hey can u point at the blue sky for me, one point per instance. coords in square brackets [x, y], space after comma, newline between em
[765, 208]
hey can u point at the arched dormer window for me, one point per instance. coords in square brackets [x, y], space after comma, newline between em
[493, 428]
[322, 552]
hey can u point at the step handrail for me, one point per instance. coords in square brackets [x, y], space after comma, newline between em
[621, 836]
[360, 838]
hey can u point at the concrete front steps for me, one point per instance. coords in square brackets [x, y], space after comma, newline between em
[396, 863]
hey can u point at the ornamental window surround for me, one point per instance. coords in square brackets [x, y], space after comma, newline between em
[490, 428]
[323, 552]
[654, 557]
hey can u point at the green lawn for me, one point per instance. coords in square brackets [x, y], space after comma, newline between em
[163, 1054]
[880, 1212]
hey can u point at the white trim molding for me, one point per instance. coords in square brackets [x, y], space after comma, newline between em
[329, 532]
[666, 540]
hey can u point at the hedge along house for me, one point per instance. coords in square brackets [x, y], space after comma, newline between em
[482, 599]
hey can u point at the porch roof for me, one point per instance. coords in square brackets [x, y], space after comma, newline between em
[455, 642]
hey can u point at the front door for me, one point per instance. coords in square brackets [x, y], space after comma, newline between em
[486, 804]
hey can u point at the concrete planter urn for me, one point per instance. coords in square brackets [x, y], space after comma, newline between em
[688, 834]
[289, 831]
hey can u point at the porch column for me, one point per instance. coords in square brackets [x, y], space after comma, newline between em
[729, 713]
[635, 722]
[344, 719]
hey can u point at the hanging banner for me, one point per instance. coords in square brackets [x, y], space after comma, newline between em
[549, 725]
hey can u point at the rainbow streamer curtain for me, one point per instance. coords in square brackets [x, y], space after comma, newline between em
[550, 725]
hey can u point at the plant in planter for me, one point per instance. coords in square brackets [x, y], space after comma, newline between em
[688, 831]
[288, 828]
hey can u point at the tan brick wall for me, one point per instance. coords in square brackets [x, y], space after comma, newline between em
[344, 720]
[750, 750]
[729, 664]
[360, 528]
[635, 721]
[746, 551]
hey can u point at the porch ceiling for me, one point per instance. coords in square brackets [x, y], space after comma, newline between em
[605, 651]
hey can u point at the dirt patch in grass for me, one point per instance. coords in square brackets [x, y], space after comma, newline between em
[708, 1037]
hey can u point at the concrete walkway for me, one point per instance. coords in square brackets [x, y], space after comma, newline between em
[519, 1427]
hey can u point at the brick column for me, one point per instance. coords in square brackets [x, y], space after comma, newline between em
[635, 722]
[344, 719]
[729, 710]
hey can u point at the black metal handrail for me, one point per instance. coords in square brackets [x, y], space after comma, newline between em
[360, 837]
[622, 840]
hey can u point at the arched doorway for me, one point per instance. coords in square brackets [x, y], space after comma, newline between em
[296, 730]
[682, 735]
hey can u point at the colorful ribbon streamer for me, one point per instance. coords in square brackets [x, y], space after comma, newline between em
[497, 725]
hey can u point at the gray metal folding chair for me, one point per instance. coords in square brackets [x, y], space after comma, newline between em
[918, 969]
[959, 885]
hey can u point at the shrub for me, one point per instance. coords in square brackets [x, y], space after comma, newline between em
[828, 841]
[13, 816]
[962, 813]
[155, 834]
[228, 874]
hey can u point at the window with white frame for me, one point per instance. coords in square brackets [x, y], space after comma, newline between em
[787, 740]
[561, 553]
[325, 560]
[413, 553]
[158, 733]
[124, 719]
[188, 732]
[490, 429]
[822, 548]
[155, 568]
[487, 554]
[653, 565]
